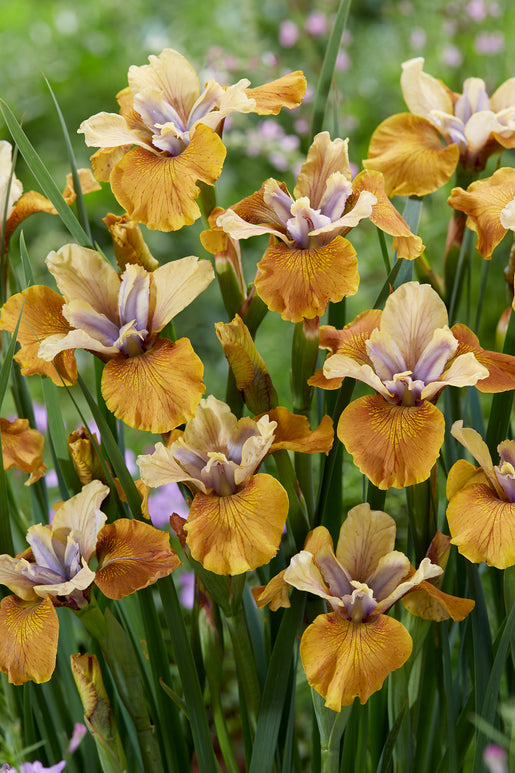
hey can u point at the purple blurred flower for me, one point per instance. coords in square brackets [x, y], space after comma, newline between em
[289, 142]
[270, 129]
[489, 43]
[187, 592]
[288, 33]
[418, 37]
[40, 417]
[270, 59]
[33, 767]
[495, 759]
[302, 126]
[476, 9]
[452, 56]
[164, 501]
[79, 731]
[316, 24]
[342, 61]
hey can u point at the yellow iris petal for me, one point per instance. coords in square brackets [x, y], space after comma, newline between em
[28, 639]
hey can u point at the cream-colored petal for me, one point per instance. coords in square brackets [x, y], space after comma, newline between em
[423, 93]
[12, 576]
[426, 571]
[411, 314]
[325, 157]
[83, 274]
[504, 96]
[361, 210]
[75, 339]
[304, 574]
[82, 580]
[365, 536]
[478, 129]
[464, 370]
[477, 447]
[340, 366]
[82, 515]
[160, 467]
[237, 228]
[176, 285]
[82, 316]
[110, 130]
[171, 73]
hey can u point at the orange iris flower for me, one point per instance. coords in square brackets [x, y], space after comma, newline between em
[309, 262]
[55, 571]
[166, 137]
[237, 515]
[349, 652]
[490, 206]
[418, 151]
[481, 510]
[148, 382]
[407, 354]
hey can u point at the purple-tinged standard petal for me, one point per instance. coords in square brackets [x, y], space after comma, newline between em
[505, 471]
[385, 355]
[335, 575]
[337, 190]
[133, 298]
[435, 356]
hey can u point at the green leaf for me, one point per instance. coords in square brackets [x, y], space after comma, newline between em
[43, 176]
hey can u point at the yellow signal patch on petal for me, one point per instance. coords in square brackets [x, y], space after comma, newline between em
[131, 555]
[156, 390]
[393, 445]
[482, 526]
[300, 283]
[344, 660]
[408, 150]
[42, 317]
[28, 639]
[239, 532]
[160, 191]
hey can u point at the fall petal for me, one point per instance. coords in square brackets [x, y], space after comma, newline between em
[22, 447]
[408, 150]
[42, 317]
[300, 283]
[430, 603]
[287, 91]
[276, 593]
[483, 526]
[28, 639]
[393, 445]
[132, 555]
[161, 191]
[345, 660]
[237, 533]
[156, 390]
[501, 367]
[385, 216]
[294, 433]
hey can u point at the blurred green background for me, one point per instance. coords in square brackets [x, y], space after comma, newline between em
[85, 50]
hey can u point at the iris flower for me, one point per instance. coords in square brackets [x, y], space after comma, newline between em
[55, 572]
[419, 151]
[148, 382]
[237, 515]
[349, 651]
[166, 137]
[481, 510]
[407, 354]
[490, 206]
[308, 261]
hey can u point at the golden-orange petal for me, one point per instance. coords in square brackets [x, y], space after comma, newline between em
[156, 390]
[294, 433]
[385, 216]
[409, 152]
[462, 474]
[501, 367]
[276, 593]
[237, 533]
[483, 526]
[287, 91]
[22, 447]
[345, 660]
[42, 317]
[28, 639]
[300, 283]
[430, 603]
[161, 191]
[393, 445]
[131, 555]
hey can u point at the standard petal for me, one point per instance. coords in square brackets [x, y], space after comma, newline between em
[393, 445]
[423, 93]
[365, 536]
[340, 366]
[237, 533]
[483, 526]
[161, 191]
[132, 555]
[160, 468]
[42, 317]
[82, 514]
[325, 157]
[321, 575]
[408, 151]
[476, 446]
[156, 390]
[345, 660]
[300, 283]
[28, 639]
[175, 285]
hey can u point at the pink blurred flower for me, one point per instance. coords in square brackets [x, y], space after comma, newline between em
[418, 37]
[476, 9]
[301, 126]
[288, 33]
[79, 731]
[289, 142]
[342, 61]
[187, 592]
[33, 767]
[489, 43]
[495, 759]
[316, 24]
[164, 501]
[270, 129]
[452, 56]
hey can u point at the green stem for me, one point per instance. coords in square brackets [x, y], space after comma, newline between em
[222, 733]
[245, 664]
[330, 759]
[297, 517]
